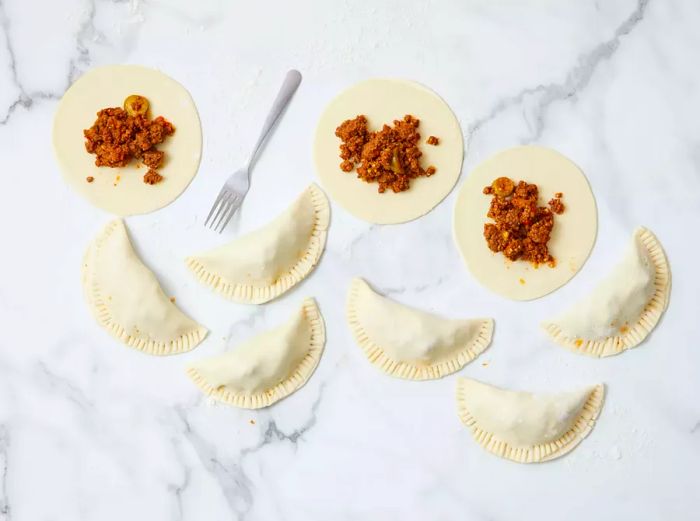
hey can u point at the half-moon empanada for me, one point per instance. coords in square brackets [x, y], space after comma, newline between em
[525, 427]
[268, 367]
[125, 298]
[625, 306]
[409, 343]
[265, 263]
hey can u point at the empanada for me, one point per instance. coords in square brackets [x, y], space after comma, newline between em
[409, 343]
[125, 298]
[265, 263]
[525, 427]
[267, 367]
[625, 306]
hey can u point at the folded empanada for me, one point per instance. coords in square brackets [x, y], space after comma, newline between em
[525, 427]
[125, 298]
[625, 306]
[409, 343]
[265, 263]
[267, 367]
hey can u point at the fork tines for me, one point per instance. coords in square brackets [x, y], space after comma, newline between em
[226, 204]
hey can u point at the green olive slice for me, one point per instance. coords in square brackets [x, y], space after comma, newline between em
[136, 105]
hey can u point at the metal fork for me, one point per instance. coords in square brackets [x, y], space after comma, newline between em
[236, 186]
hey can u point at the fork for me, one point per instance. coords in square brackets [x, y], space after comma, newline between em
[236, 186]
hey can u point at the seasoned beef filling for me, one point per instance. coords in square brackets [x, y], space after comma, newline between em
[521, 229]
[389, 157]
[117, 137]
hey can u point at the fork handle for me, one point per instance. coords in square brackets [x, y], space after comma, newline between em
[291, 82]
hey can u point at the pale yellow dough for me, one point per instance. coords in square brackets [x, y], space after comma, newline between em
[572, 238]
[126, 300]
[271, 260]
[412, 344]
[267, 367]
[121, 191]
[623, 308]
[383, 101]
[525, 427]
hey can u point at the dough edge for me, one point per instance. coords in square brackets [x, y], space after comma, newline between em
[614, 345]
[377, 357]
[543, 452]
[248, 294]
[101, 312]
[292, 383]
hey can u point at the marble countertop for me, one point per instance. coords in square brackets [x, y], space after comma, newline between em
[91, 430]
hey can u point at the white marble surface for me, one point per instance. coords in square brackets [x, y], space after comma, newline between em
[92, 430]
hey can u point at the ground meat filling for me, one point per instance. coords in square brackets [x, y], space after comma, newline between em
[521, 229]
[117, 137]
[389, 157]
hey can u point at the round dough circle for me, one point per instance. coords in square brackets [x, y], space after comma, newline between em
[383, 101]
[572, 238]
[121, 191]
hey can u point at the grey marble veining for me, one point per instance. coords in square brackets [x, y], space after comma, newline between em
[91, 430]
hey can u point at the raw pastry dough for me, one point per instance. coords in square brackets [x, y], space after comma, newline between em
[383, 101]
[125, 298]
[572, 237]
[625, 306]
[108, 87]
[268, 367]
[264, 264]
[409, 343]
[525, 427]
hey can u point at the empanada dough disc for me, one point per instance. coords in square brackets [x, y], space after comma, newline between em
[526, 427]
[126, 299]
[267, 367]
[572, 238]
[409, 343]
[623, 308]
[121, 191]
[383, 101]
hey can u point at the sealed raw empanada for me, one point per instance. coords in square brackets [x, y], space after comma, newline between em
[125, 298]
[262, 265]
[409, 343]
[525, 427]
[267, 367]
[624, 307]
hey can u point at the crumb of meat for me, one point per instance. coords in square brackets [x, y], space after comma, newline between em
[521, 229]
[432, 140]
[389, 157]
[556, 205]
[153, 158]
[152, 177]
[115, 138]
[89, 179]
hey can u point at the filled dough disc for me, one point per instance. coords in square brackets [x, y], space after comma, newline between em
[409, 343]
[267, 367]
[382, 101]
[572, 237]
[121, 190]
[126, 299]
[526, 427]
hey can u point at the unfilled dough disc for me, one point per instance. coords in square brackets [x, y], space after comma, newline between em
[572, 237]
[108, 87]
[383, 101]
